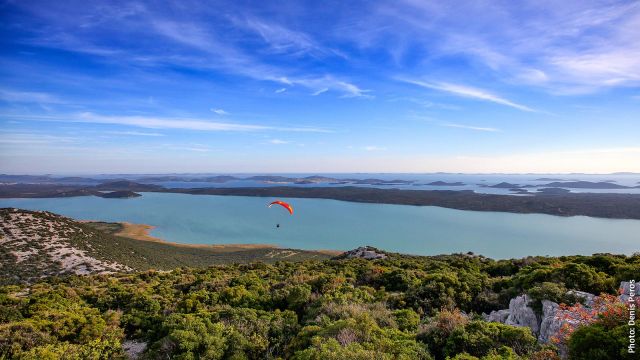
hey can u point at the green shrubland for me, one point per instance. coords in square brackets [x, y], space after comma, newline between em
[402, 307]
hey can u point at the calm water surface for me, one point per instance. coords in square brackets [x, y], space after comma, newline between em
[331, 224]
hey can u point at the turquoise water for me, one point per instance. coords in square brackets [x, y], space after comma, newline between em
[331, 224]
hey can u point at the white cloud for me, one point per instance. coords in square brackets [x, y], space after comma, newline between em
[318, 92]
[286, 41]
[234, 60]
[374, 148]
[17, 138]
[220, 111]
[278, 142]
[134, 133]
[469, 92]
[165, 123]
[477, 128]
[28, 97]
[326, 83]
[281, 90]
[569, 47]
[192, 147]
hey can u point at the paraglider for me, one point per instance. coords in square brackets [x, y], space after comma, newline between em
[284, 205]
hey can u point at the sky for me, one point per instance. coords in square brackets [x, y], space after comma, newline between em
[319, 86]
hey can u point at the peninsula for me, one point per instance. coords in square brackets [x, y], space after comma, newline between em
[614, 206]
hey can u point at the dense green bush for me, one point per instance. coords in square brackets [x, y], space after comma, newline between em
[597, 342]
[403, 307]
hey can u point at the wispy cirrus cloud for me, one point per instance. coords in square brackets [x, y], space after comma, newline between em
[135, 133]
[283, 40]
[568, 48]
[219, 111]
[150, 122]
[21, 138]
[470, 127]
[468, 92]
[29, 97]
[201, 45]
[233, 59]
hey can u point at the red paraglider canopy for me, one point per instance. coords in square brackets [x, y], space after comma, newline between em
[284, 205]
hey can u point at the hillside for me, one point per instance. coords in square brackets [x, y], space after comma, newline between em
[37, 244]
[365, 304]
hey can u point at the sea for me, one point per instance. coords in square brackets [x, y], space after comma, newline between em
[340, 225]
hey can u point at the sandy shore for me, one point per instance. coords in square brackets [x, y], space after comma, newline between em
[141, 232]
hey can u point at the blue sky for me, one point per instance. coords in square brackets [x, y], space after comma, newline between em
[319, 86]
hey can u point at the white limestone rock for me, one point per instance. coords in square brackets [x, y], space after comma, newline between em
[521, 314]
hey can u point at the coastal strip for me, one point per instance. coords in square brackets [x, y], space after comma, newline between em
[142, 232]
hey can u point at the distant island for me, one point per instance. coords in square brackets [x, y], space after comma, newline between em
[443, 183]
[121, 194]
[217, 179]
[504, 185]
[586, 185]
[151, 183]
[553, 191]
[552, 202]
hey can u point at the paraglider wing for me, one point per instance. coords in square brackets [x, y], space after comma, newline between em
[284, 205]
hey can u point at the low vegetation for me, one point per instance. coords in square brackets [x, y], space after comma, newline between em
[399, 307]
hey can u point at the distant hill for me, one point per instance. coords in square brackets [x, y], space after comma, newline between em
[37, 244]
[504, 185]
[44, 190]
[585, 185]
[121, 194]
[127, 185]
[443, 183]
[550, 191]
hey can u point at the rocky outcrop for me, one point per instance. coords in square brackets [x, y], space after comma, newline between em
[521, 314]
[550, 323]
[625, 290]
[38, 244]
[547, 324]
[363, 252]
[134, 349]
[497, 316]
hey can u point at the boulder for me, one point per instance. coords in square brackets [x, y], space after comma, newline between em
[364, 252]
[551, 322]
[134, 348]
[497, 316]
[547, 325]
[625, 290]
[521, 314]
[587, 298]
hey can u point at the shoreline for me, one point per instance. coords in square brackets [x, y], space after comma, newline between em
[142, 232]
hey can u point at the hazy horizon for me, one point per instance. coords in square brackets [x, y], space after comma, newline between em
[617, 173]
